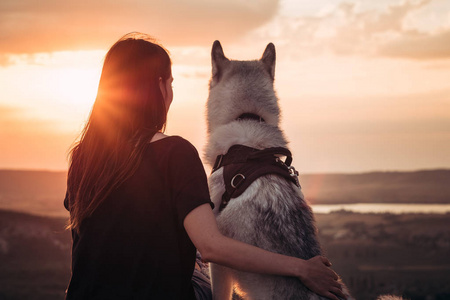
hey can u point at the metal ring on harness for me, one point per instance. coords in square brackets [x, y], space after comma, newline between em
[234, 177]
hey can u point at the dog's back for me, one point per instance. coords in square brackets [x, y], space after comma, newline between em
[271, 213]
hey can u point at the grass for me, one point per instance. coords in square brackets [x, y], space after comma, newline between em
[374, 254]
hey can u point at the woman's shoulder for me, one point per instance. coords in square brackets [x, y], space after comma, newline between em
[158, 136]
[172, 143]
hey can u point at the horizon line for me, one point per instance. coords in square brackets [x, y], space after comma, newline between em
[300, 173]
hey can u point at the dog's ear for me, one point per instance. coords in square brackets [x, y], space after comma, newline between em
[218, 60]
[268, 59]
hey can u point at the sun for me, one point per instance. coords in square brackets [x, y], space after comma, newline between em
[76, 86]
[67, 80]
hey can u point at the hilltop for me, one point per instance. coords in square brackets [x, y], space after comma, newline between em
[42, 192]
[37, 192]
[431, 186]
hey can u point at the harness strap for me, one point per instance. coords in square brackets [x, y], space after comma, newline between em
[241, 154]
[243, 165]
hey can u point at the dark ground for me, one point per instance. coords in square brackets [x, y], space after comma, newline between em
[406, 255]
[374, 254]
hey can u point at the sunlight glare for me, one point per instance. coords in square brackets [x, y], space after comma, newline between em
[76, 86]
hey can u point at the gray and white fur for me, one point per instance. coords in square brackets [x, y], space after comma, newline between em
[272, 213]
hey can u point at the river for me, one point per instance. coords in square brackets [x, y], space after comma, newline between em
[392, 208]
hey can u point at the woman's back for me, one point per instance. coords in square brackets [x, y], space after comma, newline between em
[135, 240]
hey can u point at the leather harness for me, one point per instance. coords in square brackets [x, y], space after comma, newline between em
[242, 165]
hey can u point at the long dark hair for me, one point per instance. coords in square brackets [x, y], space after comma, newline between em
[128, 111]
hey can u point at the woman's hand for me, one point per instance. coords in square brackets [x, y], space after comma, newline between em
[319, 278]
[201, 226]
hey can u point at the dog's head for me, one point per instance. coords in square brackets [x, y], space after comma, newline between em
[239, 87]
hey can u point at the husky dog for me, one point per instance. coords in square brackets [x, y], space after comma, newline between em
[242, 109]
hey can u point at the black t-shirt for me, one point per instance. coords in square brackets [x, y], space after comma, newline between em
[134, 246]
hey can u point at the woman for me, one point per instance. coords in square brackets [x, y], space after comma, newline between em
[138, 199]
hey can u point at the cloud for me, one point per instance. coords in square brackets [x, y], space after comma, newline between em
[17, 119]
[28, 142]
[347, 29]
[365, 31]
[419, 46]
[30, 26]
[384, 33]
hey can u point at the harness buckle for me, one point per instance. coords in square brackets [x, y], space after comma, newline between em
[294, 173]
[239, 183]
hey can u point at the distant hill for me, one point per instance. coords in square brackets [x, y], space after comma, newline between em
[431, 186]
[38, 192]
[42, 192]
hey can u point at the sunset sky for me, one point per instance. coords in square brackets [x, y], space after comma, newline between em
[363, 85]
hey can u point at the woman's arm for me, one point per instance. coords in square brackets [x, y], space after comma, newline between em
[201, 226]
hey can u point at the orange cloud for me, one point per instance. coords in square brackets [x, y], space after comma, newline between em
[348, 30]
[51, 25]
[30, 142]
[385, 35]
[419, 46]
